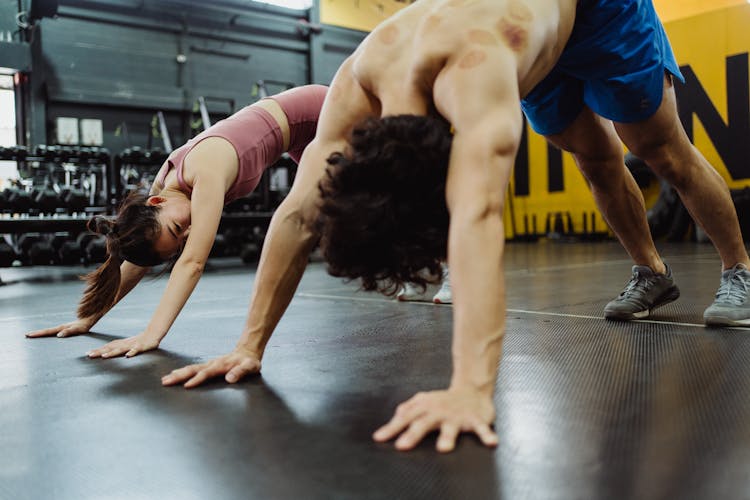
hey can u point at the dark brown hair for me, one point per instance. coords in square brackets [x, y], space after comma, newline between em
[383, 215]
[130, 236]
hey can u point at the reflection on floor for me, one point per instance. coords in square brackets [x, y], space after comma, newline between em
[587, 409]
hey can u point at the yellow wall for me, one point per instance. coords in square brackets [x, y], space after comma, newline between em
[364, 15]
[670, 10]
[704, 42]
[361, 15]
[701, 41]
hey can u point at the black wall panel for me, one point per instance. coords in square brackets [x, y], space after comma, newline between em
[90, 63]
[121, 61]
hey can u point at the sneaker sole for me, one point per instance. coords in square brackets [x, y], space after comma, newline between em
[723, 321]
[671, 295]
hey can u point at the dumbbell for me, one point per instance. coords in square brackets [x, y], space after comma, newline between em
[19, 152]
[7, 254]
[74, 199]
[84, 154]
[94, 247]
[156, 156]
[132, 155]
[67, 250]
[18, 200]
[66, 153]
[49, 153]
[101, 154]
[41, 253]
[46, 200]
[53, 153]
[25, 241]
[35, 250]
[13, 153]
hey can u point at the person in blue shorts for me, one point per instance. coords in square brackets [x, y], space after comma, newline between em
[614, 81]
[411, 161]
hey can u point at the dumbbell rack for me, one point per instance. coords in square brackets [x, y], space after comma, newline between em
[57, 212]
[241, 231]
[134, 168]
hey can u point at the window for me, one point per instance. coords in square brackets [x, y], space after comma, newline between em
[8, 169]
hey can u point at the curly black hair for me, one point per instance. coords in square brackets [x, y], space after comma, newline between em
[383, 216]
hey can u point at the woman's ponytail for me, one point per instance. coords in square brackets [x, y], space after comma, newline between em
[103, 283]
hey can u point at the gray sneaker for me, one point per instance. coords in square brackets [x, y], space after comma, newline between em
[645, 292]
[731, 307]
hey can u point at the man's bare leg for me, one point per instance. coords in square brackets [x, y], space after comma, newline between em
[663, 144]
[597, 150]
[598, 153]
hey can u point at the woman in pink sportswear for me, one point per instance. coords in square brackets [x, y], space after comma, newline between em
[181, 214]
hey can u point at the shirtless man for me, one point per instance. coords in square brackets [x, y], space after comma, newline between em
[590, 73]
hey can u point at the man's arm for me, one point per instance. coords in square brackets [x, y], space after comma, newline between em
[482, 104]
[290, 237]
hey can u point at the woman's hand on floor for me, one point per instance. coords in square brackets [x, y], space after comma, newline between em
[234, 366]
[77, 327]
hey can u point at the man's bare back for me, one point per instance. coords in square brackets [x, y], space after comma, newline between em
[432, 36]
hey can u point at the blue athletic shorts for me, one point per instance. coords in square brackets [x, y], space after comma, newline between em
[614, 63]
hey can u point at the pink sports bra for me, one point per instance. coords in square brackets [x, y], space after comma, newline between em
[257, 138]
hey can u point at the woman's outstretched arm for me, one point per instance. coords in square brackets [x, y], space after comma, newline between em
[206, 205]
[130, 274]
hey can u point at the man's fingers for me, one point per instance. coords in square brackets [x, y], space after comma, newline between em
[486, 434]
[391, 429]
[415, 433]
[210, 370]
[132, 352]
[405, 413]
[181, 374]
[388, 431]
[199, 378]
[238, 372]
[447, 440]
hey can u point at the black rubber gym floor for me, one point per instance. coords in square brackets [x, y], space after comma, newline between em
[587, 409]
